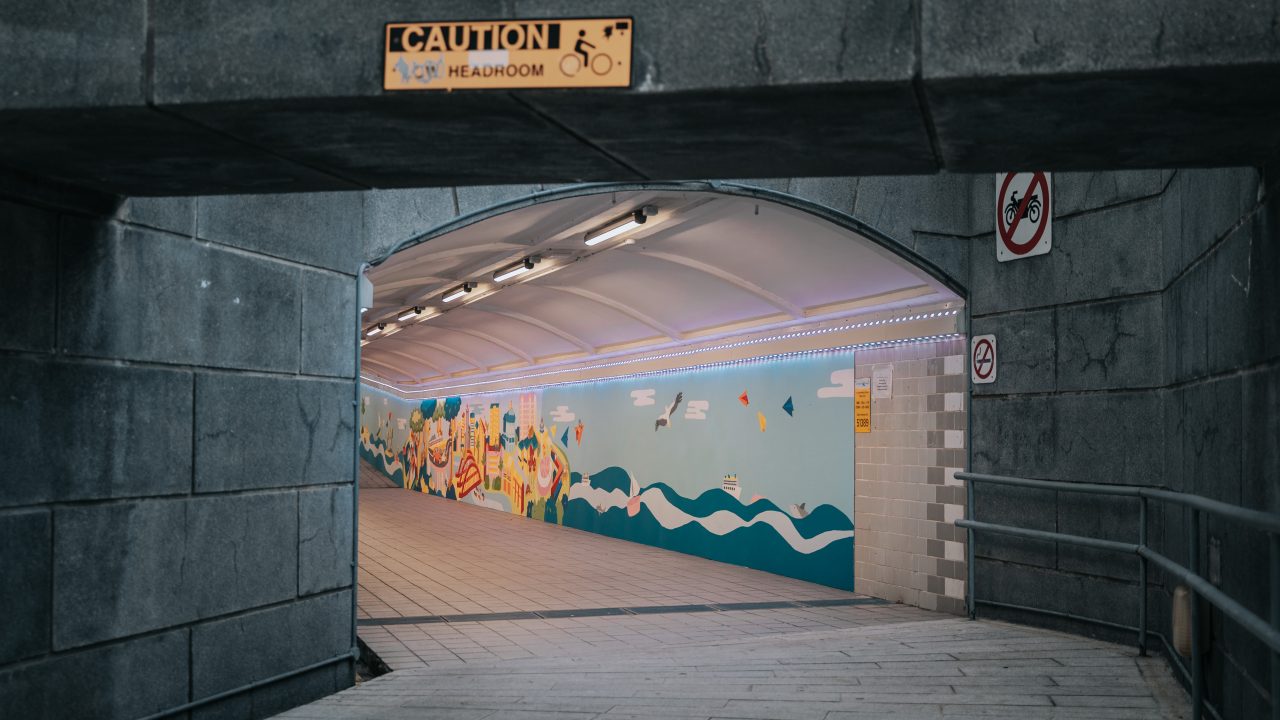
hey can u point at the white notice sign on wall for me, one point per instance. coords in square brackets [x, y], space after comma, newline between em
[882, 382]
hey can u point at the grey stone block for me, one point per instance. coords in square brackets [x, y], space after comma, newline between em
[1213, 201]
[60, 56]
[78, 431]
[1110, 438]
[1103, 518]
[28, 276]
[394, 216]
[480, 197]
[119, 570]
[24, 594]
[1026, 343]
[329, 324]
[280, 696]
[1070, 37]
[229, 653]
[141, 295]
[1186, 327]
[1207, 446]
[1075, 192]
[836, 193]
[1111, 345]
[241, 551]
[1014, 436]
[1171, 233]
[1098, 255]
[1047, 589]
[949, 253]
[256, 432]
[325, 537]
[1235, 335]
[1020, 507]
[105, 682]
[897, 206]
[1260, 456]
[175, 214]
[321, 229]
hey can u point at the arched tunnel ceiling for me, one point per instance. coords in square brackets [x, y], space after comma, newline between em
[706, 266]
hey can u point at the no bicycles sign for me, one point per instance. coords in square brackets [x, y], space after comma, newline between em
[1024, 215]
[508, 54]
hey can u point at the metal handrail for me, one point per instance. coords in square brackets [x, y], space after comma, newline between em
[1267, 632]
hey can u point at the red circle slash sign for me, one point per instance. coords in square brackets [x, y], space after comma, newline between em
[984, 359]
[1006, 233]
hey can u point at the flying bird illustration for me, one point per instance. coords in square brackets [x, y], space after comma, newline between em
[798, 510]
[664, 420]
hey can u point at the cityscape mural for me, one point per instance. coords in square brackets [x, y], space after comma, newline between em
[751, 464]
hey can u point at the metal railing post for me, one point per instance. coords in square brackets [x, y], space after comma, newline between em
[1197, 665]
[1275, 623]
[973, 595]
[1142, 577]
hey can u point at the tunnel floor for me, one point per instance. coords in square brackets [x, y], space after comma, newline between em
[485, 615]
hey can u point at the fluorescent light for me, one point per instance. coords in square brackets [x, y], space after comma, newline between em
[619, 226]
[375, 329]
[458, 292]
[519, 268]
[410, 314]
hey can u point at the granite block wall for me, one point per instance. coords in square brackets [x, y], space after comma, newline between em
[177, 408]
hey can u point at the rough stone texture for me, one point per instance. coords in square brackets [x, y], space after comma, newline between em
[1075, 192]
[393, 216]
[328, 324]
[472, 199]
[28, 281]
[321, 229]
[280, 696]
[1024, 507]
[141, 295]
[228, 653]
[325, 538]
[241, 551]
[24, 595]
[119, 570]
[256, 432]
[1014, 436]
[1027, 349]
[175, 214]
[1110, 345]
[104, 421]
[102, 682]
[60, 56]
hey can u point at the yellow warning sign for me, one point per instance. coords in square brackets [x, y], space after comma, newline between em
[508, 54]
[862, 405]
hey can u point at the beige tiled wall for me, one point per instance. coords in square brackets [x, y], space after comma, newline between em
[907, 498]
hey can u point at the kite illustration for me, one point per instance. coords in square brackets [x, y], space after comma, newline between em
[664, 420]
[577, 432]
[743, 399]
[789, 407]
[564, 439]
[760, 417]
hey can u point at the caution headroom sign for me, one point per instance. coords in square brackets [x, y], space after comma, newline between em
[508, 54]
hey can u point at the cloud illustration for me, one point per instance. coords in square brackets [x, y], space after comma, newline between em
[642, 398]
[562, 414]
[842, 385]
[697, 410]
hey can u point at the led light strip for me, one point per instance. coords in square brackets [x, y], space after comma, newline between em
[689, 368]
[684, 353]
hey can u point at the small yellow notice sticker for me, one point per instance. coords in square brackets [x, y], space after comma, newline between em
[862, 405]
[508, 54]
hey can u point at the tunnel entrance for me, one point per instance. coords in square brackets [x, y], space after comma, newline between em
[729, 373]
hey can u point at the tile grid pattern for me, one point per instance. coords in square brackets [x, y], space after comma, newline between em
[906, 496]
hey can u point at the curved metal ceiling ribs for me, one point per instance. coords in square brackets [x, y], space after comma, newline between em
[540, 324]
[642, 318]
[773, 299]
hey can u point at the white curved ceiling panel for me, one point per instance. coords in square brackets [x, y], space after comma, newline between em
[704, 266]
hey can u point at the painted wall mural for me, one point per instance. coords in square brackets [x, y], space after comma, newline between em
[751, 464]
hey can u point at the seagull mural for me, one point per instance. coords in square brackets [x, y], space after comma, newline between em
[664, 420]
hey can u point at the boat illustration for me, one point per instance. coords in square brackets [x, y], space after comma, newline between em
[730, 485]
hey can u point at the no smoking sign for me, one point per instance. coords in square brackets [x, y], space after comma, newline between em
[982, 359]
[1024, 215]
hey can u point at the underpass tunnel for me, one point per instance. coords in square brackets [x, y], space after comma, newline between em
[726, 375]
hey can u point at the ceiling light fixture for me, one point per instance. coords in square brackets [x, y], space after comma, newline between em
[458, 292]
[375, 329]
[621, 225]
[519, 268]
[410, 314]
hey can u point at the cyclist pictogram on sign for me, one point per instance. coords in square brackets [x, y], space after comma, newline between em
[1024, 216]
[982, 359]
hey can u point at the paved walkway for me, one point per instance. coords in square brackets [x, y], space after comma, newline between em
[485, 615]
